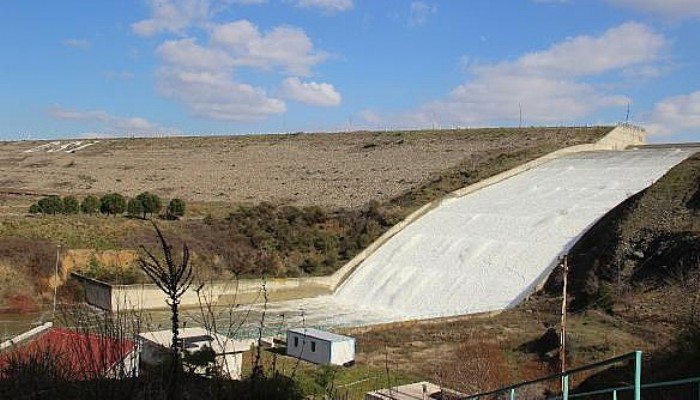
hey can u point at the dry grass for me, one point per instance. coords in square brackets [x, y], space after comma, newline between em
[337, 170]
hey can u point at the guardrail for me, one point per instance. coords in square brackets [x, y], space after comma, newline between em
[616, 390]
[511, 391]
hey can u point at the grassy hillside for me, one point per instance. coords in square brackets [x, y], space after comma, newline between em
[282, 238]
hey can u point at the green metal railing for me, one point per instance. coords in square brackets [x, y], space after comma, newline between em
[616, 390]
[511, 391]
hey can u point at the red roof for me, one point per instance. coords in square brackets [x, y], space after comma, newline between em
[74, 355]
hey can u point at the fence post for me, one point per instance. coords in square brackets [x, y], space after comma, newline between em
[614, 394]
[637, 375]
[512, 394]
[565, 387]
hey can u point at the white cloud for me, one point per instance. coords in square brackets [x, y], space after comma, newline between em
[172, 16]
[419, 12]
[669, 9]
[203, 77]
[111, 124]
[330, 6]
[550, 85]
[187, 54]
[620, 47]
[674, 115]
[318, 94]
[284, 46]
[77, 43]
[214, 94]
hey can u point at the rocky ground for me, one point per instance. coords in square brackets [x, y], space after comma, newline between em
[334, 170]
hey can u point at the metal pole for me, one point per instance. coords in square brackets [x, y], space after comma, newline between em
[562, 350]
[55, 281]
[565, 387]
[512, 394]
[614, 394]
[637, 375]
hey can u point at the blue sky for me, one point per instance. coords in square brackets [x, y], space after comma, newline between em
[159, 67]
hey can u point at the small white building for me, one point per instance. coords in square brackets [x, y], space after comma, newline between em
[228, 353]
[320, 347]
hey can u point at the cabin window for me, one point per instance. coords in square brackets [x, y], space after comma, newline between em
[296, 341]
[313, 347]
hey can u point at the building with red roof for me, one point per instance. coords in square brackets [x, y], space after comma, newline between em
[72, 355]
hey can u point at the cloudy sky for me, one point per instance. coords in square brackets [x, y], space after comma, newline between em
[159, 67]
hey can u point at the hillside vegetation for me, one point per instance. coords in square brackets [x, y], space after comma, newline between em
[259, 237]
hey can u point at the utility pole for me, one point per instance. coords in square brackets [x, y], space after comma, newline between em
[55, 280]
[562, 350]
[520, 121]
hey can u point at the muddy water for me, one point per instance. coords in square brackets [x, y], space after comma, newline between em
[12, 324]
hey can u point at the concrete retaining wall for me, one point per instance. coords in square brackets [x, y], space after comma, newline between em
[25, 336]
[148, 296]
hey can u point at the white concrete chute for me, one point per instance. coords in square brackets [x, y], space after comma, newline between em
[488, 250]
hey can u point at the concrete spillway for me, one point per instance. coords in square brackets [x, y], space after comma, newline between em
[488, 250]
[484, 251]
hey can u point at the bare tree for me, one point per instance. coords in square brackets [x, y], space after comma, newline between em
[173, 279]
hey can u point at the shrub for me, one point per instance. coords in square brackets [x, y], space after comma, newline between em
[150, 203]
[50, 205]
[135, 208]
[90, 205]
[70, 205]
[112, 204]
[176, 208]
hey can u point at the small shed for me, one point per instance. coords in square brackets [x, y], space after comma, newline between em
[320, 347]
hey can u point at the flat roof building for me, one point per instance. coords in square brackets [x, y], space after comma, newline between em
[228, 353]
[320, 347]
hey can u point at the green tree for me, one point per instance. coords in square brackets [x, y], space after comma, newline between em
[112, 204]
[70, 205]
[135, 208]
[90, 205]
[50, 205]
[176, 208]
[34, 209]
[151, 203]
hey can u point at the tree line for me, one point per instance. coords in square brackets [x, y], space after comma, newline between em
[143, 205]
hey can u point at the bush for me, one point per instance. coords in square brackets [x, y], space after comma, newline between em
[112, 204]
[150, 203]
[50, 205]
[70, 205]
[135, 208]
[90, 205]
[176, 208]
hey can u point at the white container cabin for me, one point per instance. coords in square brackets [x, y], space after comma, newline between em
[320, 347]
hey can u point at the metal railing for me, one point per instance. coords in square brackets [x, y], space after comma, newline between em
[511, 391]
[614, 391]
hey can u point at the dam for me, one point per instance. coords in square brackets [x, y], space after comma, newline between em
[489, 250]
[484, 248]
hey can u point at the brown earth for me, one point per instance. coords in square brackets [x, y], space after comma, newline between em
[336, 170]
